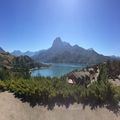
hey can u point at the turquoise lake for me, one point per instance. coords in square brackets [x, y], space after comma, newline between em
[56, 70]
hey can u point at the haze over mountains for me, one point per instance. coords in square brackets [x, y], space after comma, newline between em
[19, 53]
[63, 52]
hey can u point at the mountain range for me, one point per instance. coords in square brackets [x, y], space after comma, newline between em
[19, 53]
[63, 52]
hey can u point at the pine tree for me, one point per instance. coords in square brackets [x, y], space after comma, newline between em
[103, 75]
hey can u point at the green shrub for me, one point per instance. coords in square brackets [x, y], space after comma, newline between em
[47, 89]
[101, 91]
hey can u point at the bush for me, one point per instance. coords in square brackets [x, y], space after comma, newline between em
[101, 91]
[46, 90]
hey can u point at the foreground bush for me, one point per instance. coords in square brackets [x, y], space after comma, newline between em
[117, 93]
[47, 89]
[101, 91]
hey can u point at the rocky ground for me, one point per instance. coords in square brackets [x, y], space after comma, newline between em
[12, 108]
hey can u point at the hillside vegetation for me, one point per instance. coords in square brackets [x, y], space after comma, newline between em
[46, 90]
[51, 90]
[16, 67]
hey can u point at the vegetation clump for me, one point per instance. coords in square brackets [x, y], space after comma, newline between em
[48, 89]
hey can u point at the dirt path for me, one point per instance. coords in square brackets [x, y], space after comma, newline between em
[12, 108]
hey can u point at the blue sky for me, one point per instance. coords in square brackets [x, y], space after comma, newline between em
[34, 24]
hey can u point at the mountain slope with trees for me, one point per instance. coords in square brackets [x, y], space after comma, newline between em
[16, 67]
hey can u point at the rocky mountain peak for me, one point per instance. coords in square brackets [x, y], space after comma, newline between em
[58, 43]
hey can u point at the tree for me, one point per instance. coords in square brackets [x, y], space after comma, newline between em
[103, 75]
[4, 73]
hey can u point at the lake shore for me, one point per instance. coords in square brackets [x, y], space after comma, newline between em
[14, 109]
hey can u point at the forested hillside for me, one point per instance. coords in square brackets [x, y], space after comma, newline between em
[16, 67]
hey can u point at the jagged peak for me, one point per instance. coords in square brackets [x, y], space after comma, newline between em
[76, 46]
[57, 41]
[91, 49]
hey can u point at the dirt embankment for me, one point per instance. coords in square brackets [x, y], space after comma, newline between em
[12, 108]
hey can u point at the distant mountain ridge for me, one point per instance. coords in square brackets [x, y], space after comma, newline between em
[9, 61]
[19, 53]
[63, 52]
[1, 50]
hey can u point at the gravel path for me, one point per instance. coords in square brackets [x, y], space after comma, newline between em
[12, 108]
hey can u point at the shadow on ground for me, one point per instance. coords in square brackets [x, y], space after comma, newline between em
[112, 105]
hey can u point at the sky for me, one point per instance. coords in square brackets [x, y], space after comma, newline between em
[34, 24]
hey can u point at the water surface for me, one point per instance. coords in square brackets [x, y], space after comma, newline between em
[56, 70]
